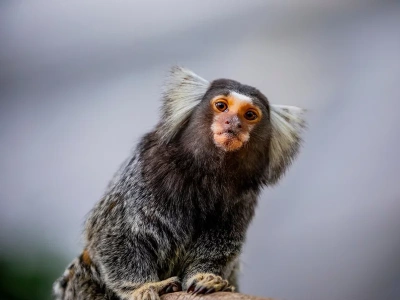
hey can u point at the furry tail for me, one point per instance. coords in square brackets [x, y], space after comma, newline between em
[61, 284]
[82, 281]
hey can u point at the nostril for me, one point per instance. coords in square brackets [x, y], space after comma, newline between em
[227, 122]
[239, 126]
[230, 131]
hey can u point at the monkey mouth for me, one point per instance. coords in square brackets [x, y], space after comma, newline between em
[229, 134]
[228, 140]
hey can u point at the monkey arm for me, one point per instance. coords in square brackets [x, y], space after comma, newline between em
[213, 259]
[127, 262]
[215, 254]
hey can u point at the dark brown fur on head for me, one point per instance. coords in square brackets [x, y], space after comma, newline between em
[272, 143]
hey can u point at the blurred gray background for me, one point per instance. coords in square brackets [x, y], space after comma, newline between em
[80, 83]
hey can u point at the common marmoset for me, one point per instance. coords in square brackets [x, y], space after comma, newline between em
[175, 215]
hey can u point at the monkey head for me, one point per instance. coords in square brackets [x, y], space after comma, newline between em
[232, 118]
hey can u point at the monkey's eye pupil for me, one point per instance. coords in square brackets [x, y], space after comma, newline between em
[250, 115]
[221, 106]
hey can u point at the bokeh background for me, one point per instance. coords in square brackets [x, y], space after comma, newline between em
[80, 83]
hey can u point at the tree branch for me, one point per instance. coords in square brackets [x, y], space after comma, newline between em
[214, 296]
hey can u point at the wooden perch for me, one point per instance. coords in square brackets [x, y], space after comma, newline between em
[214, 296]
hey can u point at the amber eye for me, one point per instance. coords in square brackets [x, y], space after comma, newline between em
[221, 106]
[250, 115]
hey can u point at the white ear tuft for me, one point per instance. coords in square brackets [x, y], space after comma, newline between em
[183, 92]
[287, 124]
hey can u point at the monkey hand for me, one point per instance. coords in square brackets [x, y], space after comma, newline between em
[153, 290]
[206, 283]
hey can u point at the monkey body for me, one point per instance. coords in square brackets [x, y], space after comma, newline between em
[176, 214]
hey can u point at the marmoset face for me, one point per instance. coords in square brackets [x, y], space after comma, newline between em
[235, 116]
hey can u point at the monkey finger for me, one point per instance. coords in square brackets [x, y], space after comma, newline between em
[191, 287]
[174, 287]
[229, 288]
[200, 290]
[171, 288]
